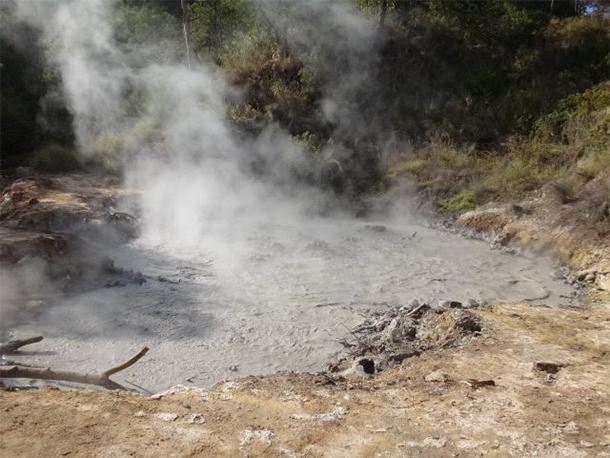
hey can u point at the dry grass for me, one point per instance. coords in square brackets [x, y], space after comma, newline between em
[458, 177]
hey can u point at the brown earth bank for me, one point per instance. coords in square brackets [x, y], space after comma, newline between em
[575, 228]
[532, 381]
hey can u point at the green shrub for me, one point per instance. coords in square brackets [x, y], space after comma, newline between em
[465, 200]
[56, 158]
[109, 151]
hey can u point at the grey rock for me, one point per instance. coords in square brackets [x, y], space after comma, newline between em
[437, 376]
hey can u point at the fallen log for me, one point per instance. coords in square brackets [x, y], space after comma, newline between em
[13, 345]
[101, 379]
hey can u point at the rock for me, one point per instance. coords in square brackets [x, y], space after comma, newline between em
[194, 418]
[446, 305]
[401, 356]
[549, 368]
[263, 435]
[167, 416]
[203, 394]
[434, 442]
[381, 325]
[125, 226]
[582, 275]
[471, 303]
[467, 322]
[371, 366]
[334, 414]
[437, 376]
[399, 330]
[392, 332]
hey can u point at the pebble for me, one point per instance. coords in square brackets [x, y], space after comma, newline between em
[437, 376]
[167, 416]
[263, 435]
[334, 414]
[194, 418]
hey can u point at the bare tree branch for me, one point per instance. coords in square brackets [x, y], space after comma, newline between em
[13, 345]
[102, 379]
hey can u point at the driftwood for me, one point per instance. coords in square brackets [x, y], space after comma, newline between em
[13, 345]
[102, 379]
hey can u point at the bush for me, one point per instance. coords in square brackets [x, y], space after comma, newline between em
[109, 151]
[56, 158]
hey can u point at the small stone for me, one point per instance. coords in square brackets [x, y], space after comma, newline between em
[401, 356]
[436, 442]
[586, 444]
[381, 325]
[139, 414]
[334, 414]
[590, 277]
[194, 418]
[549, 368]
[233, 368]
[437, 376]
[393, 332]
[446, 305]
[263, 435]
[471, 303]
[167, 416]
[570, 428]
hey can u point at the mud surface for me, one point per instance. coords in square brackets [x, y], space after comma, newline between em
[276, 298]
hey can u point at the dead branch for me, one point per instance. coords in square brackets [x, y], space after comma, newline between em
[13, 345]
[415, 310]
[130, 362]
[102, 379]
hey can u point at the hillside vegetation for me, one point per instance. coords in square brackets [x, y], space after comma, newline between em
[476, 101]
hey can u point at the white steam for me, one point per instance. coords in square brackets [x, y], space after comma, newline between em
[194, 175]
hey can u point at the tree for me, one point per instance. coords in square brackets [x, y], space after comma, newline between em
[186, 25]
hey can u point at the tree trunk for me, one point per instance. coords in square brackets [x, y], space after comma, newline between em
[382, 15]
[186, 25]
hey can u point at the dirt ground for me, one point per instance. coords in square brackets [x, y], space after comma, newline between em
[429, 406]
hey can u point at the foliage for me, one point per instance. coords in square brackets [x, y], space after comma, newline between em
[216, 22]
[110, 151]
[459, 177]
[156, 34]
[56, 158]
[465, 200]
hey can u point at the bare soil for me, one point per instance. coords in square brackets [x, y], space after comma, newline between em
[429, 406]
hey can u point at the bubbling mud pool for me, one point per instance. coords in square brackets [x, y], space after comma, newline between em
[276, 298]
